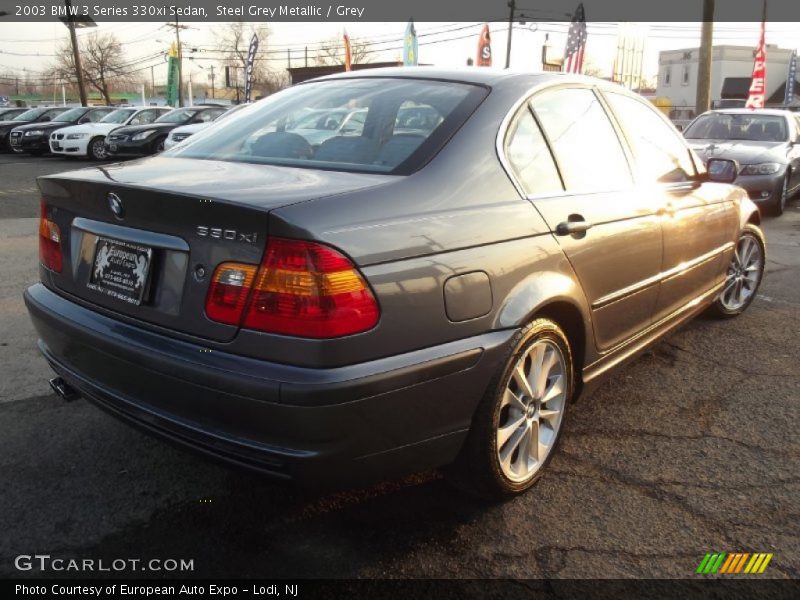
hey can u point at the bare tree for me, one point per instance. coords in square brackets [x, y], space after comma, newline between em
[102, 61]
[331, 52]
[233, 44]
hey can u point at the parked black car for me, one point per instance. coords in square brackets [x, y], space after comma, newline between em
[142, 140]
[41, 114]
[34, 138]
[413, 296]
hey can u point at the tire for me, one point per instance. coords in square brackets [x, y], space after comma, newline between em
[158, 145]
[783, 196]
[96, 148]
[740, 287]
[479, 468]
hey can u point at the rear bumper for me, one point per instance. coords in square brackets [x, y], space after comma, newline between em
[321, 427]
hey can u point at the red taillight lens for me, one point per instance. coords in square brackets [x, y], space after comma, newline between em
[228, 293]
[49, 242]
[309, 290]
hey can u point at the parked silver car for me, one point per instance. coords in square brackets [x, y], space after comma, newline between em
[766, 143]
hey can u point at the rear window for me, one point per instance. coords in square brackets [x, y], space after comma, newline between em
[738, 126]
[372, 124]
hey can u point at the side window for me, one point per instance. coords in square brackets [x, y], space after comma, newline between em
[147, 116]
[530, 158]
[583, 140]
[660, 152]
[95, 115]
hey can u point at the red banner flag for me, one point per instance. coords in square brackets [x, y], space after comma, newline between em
[758, 87]
[347, 56]
[484, 48]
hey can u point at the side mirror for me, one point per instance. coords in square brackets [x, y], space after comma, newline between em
[722, 170]
[678, 126]
[84, 120]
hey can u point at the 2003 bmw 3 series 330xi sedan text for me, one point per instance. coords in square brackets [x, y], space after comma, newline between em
[431, 284]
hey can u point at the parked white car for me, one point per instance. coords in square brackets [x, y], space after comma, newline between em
[89, 139]
[181, 133]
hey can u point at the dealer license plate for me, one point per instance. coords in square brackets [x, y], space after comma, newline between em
[120, 270]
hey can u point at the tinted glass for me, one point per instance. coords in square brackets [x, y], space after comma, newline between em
[530, 158]
[71, 115]
[370, 124]
[660, 152]
[97, 115]
[118, 116]
[584, 141]
[738, 126]
[30, 115]
[179, 115]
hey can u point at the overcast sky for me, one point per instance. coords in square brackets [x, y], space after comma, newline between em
[32, 46]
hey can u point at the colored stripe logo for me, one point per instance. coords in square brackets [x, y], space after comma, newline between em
[734, 563]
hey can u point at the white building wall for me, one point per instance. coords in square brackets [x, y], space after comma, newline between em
[726, 61]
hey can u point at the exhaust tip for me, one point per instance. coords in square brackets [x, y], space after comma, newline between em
[63, 389]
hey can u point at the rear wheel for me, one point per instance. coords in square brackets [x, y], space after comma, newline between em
[744, 274]
[97, 149]
[518, 423]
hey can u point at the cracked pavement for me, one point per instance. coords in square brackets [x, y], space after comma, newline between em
[692, 448]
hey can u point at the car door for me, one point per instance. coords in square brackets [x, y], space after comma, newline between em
[611, 235]
[699, 221]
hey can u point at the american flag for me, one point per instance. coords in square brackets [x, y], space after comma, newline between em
[576, 42]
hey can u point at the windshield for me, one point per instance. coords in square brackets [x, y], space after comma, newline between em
[178, 115]
[71, 115]
[369, 124]
[118, 116]
[738, 126]
[30, 115]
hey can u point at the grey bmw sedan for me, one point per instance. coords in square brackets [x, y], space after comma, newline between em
[766, 143]
[435, 287]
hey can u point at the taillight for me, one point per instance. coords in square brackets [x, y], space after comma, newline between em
[303, 289]
[49, 242]
[228, 293]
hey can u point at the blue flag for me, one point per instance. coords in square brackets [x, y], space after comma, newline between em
[787, 100]
[410, 45]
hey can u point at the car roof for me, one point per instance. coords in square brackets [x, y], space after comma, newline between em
[770, 112]
[475, 75]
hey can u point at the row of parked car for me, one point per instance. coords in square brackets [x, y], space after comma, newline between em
[103, 132]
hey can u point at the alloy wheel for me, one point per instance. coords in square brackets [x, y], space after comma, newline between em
[531, 411]
[99, 149]
[743, 275]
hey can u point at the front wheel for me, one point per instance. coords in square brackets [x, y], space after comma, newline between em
[158, 145]
[783, 196]
[517, 425]
[97, 149]
[744, 274]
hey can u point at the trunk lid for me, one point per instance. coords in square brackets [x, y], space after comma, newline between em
[177, 220]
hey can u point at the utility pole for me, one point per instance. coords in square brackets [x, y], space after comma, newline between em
[703, 102]
[512, 5]
[152, 81]
[76, 55]
[180, 57]
[212, 81]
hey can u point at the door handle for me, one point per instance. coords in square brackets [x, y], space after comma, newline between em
[574, 225]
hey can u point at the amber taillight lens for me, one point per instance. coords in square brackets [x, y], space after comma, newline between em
[49, 242]
[304, 289]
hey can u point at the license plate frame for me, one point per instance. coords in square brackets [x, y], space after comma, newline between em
[118, 271]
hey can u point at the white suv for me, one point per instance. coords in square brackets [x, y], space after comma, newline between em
[88, 139]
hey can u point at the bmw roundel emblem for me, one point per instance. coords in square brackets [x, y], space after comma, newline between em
[115, 204]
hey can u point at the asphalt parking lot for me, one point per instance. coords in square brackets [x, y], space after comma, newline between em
[693, 448]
